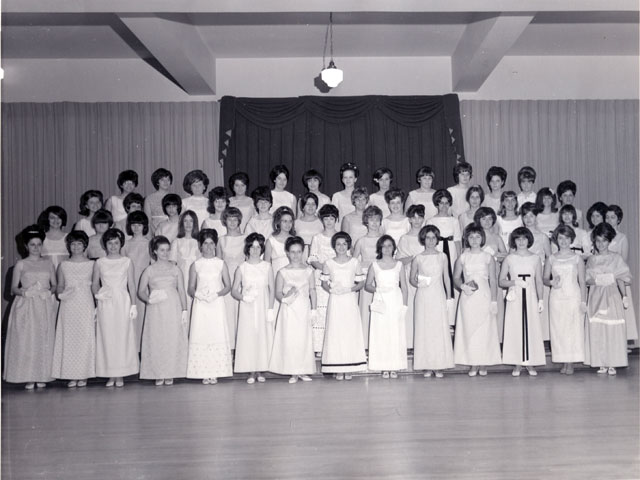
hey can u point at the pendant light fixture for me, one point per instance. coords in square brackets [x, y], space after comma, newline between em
[331, 75]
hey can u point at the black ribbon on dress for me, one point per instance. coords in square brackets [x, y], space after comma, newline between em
[525, 320]
[577, 249]
[445, 249]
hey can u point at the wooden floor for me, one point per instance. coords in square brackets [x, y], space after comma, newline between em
[552, 426]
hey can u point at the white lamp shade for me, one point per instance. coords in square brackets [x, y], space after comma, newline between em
[332, 76]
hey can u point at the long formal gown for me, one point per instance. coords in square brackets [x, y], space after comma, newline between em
[343, 343]
[459, 197]
[216, 224]
[387, 336]
[476, 341]
[198, 205]
[209, 347]
[292, 352]
[500, 296]
[547, 222]
[342, 200]
[631, 322]
[493, 203]
[116, 349]
[605, 331]
[137, 249]
[246, 207]
[516, 350]
[307, 230]
[367, 256]
[56, 250]
[28, 351]
[539, 238]
[279, 257]
[255, 333]
[84, 225]
[566, 320]
[185, 251]
[408, 247]
[167, 229]
[377, 199]
[432, 347]
[506, 227]
[425, 199]
[74, 353]
[263, 226]
[117, 208]
[153, 205]
[396, 228]
[94, 248]
[232, 248]
[283, 199]
[165, 341]
[320, 251]
[354, 227]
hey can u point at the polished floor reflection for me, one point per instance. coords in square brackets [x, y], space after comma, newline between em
[555, 426]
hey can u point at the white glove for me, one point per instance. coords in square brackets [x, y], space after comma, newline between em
[206, 296]
[67, 293]
[518, 282]
[157, 296]
[625, 302]
[378, 306]
[105, 293]
[511, 295]
[248, 298]
[583, 307]
[271, 315]
[605, 279]
[184, 319]
[540, 306]
[45, 294]
[466, 289]
[493, 308]
[424, 281]
[133, 312]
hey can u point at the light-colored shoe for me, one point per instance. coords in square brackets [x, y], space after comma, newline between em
[120, 383]
[602, 370]
[439, 374]
[72, 384]
[110, 383]
[261, 379]
[611, 371]
[159, 382]
[30, 386]
[473, 371]
[305, 378]
[213, 381]
[385, 374]
[41, 385]
[251, 380]
[348, 376]
[569, 370]
[483, 372]
[168, 381]
[563, 370]
[205, 381]
[393, 374]
[428, 374]
[82, 383]
[293, 379]
[516, 371]
[339, 376]
[532, 372]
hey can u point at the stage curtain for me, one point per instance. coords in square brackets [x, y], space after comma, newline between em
[402, 133]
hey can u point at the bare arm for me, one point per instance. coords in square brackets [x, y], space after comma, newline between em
[131, 283]
[226, 281]
[95, 279]
[193, 278]
[15, 279]
[370, 283]
[271, 283]
[61, 282]
[312, 291]
[492, 280]
[403, 286]
[413, 274]
[279, 287]
[181, 292]
[143, 287]
[539, 285]
[236, 291]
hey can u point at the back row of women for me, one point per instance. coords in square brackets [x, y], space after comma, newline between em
[274, 279]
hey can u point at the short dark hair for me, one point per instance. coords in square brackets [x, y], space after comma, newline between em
[155, 243]
[215, 194]
[192, 177]
[196, 227]
[30, 232]
[380, 172]
[291, 241]
[171, 199]
[520, 232]
[422, 235]
[329, 210]
[526, 173]
[425, 172]
[565, 230]
[261, 193]
[380, 243]
[461, 167]
[440, 194]
[308, 196]
[475, 189]
[566, 186]
[277, 170]
[230, 212]
[338, 236]
[572, 210]
[207, 233]
[158, 175]
[76, 236]
[484, 212]
[102, 216]
[529, 207]
[496, 172]
[546, 192]
[603, 230]
[84, 198]
[126, 176]
[140, 218]
[617, 210]
[250, 239]
[349, 166]
[242, 176]
[112, 234]
[277, 219]
[416, 209]
[309, 174]
[132, 198]
[599, 207]
[43, 218]
[395, 193]
[369, 212]
[473, 228]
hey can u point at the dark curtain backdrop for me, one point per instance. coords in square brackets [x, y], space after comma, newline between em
[402, 133]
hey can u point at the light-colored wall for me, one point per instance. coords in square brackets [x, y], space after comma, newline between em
[132, 80]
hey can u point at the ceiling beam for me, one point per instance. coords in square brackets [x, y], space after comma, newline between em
[177, 46]
[253, 6]
[486, 39]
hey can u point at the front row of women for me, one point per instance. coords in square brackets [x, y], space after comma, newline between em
[275, 316]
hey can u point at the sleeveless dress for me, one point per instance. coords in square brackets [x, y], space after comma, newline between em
[153, 208]
[279, 257]
[116, 349]
[31, 330]
[387, 336]
[538, 248]
[506, 227]
[356, 229]
[378, 200]
[425, 199]
[292, 352]
[117, 208]
[56, 250]
[283, 199]
[605, 331]
[138, 251]
[432, 348]
[216, 224]
[500, 295]
[476, 341]
[198, 205]
[232, 248]
[517, 351]
[164, 340]
[74, 353]
[246, 207]
[185, 251]
[459, 196]
[408, 247]
[630, 319]
[94, 248]
[367, 256]
[209, 348]
[262, 226]
[547, 222]
[396, 228]
[320, 251]
[493, 203]
[342, 200]
[84, 225]
[167, 229]
[255, 334]
[343, 341]
[307, 230]
[566, 320]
